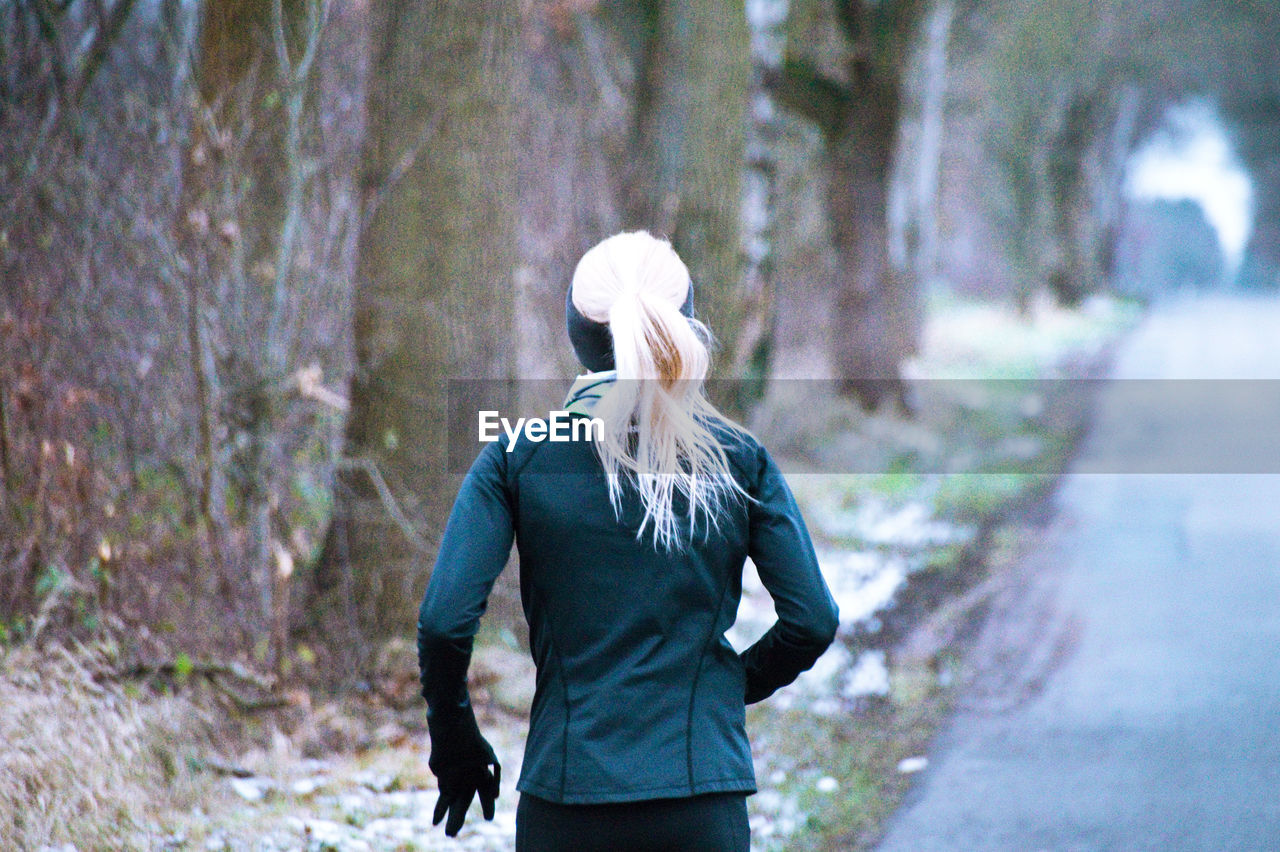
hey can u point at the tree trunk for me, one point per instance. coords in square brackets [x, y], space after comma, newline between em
[637, 120]
[1085, 180]
[1115, 153]
[1258, 129]
[877, 321]
[1260, 267]
[434, 293]
[578, 123]
[688, 146]
[913, 203]
[1070, 277]
[855, 99]
[238, 197]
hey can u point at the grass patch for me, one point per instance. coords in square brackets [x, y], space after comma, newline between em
[860, 752]
[978, 497]
[89, 764]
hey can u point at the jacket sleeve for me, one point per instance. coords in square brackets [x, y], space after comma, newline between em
[783, 554]
[476, 543]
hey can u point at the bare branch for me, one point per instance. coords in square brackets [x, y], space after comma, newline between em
[217, 675]
[317, 15]
[389, 502]
[401, 168]
[295, 79]
[206, 670]
[222, 767]
[46, 19]
[90, 58]
[278, 41]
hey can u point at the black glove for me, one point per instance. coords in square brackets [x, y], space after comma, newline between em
[459, 786]
[460, 760]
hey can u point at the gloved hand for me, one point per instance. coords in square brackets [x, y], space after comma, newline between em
[460, 759]
[459, 785]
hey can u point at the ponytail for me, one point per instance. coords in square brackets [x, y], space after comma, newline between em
[658, 422]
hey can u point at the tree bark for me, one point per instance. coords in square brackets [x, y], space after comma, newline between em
[688, 146]
[233, 221]
[913, 202]
[1070, 275]
[577, 128]
[1085, 182]
[434, 293]
[878, 314]
[1257, 123]
[637, 120]
[877, 310]
[239, 88]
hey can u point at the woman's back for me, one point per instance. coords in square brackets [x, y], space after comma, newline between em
[638, 692]
[639, 695]
[631, 556]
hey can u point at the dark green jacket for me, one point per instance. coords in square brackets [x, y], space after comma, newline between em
[639, 695]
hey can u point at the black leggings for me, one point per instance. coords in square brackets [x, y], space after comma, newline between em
[715, 822]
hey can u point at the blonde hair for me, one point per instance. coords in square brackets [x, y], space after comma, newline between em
[657, 417]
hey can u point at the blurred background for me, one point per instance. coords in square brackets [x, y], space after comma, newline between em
[246, 244]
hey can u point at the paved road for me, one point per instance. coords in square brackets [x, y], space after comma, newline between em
[1132, 699]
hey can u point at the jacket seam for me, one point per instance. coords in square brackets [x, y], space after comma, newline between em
[564, 691]
[697, 675]
[511, 482]
[553, 645]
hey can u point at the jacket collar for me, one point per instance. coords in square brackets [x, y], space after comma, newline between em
[587, 390]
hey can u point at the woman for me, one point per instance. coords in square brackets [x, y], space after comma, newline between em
[631, 555]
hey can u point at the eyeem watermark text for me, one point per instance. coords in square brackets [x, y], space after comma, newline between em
[559, 426]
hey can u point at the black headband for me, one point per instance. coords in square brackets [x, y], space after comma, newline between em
[591, 340]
